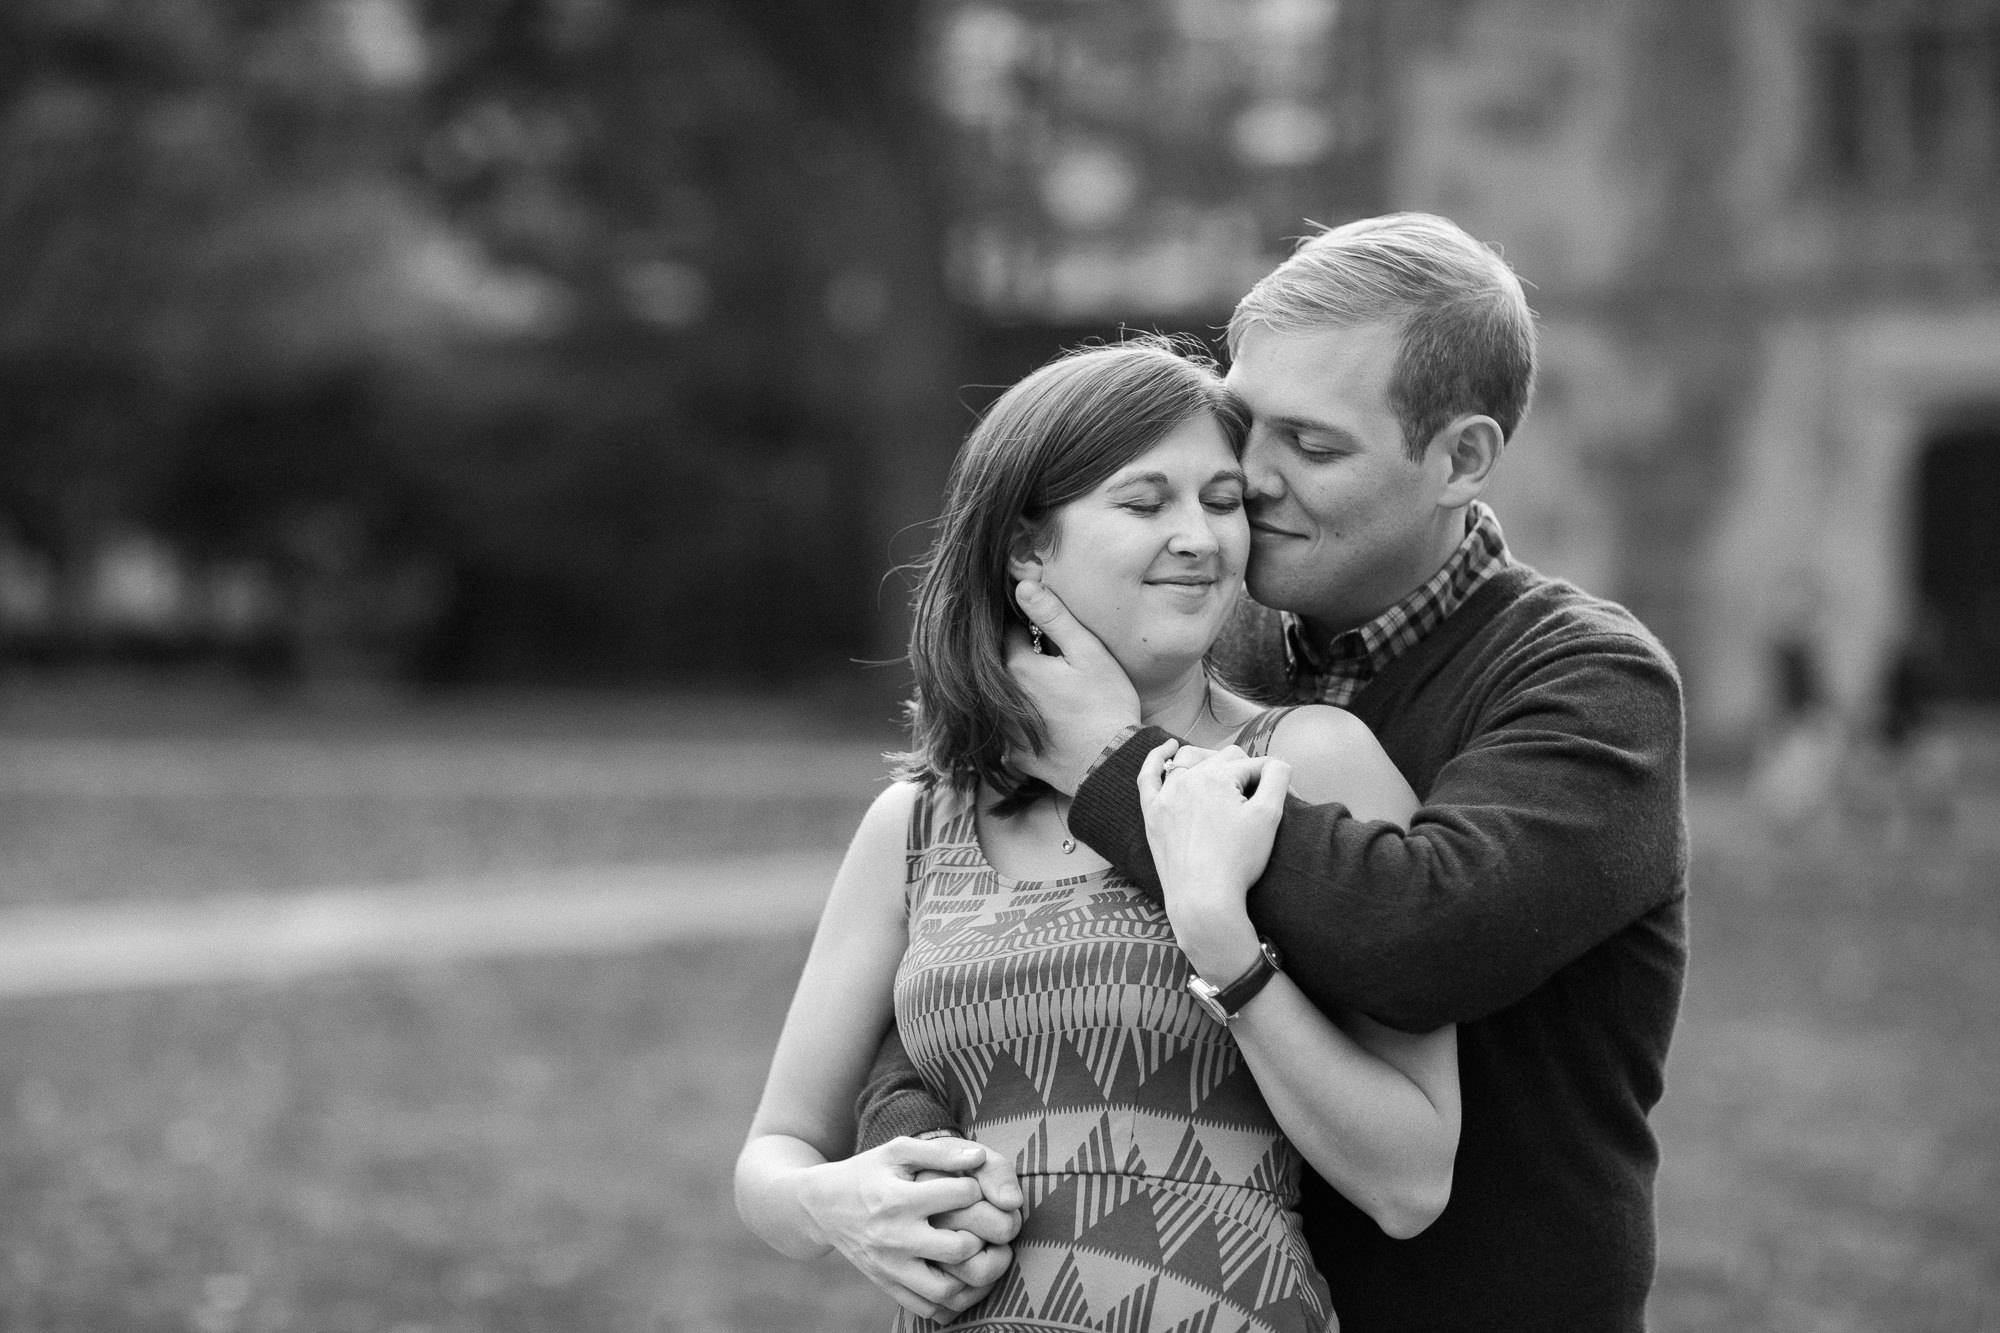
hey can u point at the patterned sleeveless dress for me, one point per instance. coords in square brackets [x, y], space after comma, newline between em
[1050, 1016]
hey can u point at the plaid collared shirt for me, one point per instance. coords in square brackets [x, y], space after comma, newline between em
[1335, 674]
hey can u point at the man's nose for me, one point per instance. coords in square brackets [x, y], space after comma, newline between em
[1265, 481]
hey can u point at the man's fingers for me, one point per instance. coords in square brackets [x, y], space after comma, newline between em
[953, 1155]
[1047, 610]
[997, 1181]
[946, 1247]
[992, 1225]
[942, 1195]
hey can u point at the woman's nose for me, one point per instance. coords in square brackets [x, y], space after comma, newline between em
[1194, 535]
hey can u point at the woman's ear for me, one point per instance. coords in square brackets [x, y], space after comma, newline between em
[1024, 555]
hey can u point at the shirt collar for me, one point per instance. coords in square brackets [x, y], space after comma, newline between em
[1337, 672]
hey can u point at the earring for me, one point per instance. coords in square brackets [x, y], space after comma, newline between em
[1035, 639]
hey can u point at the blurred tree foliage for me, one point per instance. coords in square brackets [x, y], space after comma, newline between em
[597, 336]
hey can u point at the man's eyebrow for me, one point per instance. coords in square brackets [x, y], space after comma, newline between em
[1307, 426]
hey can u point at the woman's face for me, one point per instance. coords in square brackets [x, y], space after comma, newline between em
[1152, 560]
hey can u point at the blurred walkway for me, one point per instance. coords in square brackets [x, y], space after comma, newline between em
[271, 937]
[119, 946]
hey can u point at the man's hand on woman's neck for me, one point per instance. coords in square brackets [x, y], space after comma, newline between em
[1084, 698]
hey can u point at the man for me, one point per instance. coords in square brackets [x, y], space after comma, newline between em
[1537, 898]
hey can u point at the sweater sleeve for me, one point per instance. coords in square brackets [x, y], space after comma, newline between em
[1557, 824]
[894, 1100]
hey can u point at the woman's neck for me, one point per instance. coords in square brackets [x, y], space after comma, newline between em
[1192, 707]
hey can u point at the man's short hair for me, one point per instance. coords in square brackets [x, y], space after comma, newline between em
[1468, 337]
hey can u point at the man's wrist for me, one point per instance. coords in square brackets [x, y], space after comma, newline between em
[1111, 747]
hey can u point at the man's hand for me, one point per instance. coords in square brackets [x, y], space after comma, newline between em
[1211, 824]
[876, 1210]
[1083, 695]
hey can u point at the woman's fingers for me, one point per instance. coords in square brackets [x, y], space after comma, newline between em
[921, 1288]
[1154, 771]
[982, 1270]
[1274, 780]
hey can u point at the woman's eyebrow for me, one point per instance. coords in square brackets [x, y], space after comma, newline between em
[1237, 475]
[1143, 479]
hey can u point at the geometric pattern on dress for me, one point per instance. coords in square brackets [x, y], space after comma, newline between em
[1051, 1018]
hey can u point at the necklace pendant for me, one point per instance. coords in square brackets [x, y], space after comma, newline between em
[1069, 845]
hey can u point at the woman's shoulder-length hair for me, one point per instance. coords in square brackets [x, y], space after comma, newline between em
[1050, 439]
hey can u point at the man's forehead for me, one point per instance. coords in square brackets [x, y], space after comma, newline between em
[1296, 370]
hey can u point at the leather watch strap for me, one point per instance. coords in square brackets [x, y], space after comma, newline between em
[1244, 989]
[1224, 1003]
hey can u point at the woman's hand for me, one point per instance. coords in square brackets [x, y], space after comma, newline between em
[1211, 825]
[926, 1220]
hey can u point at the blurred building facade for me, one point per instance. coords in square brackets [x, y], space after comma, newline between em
[1761, 236]
[474, 338]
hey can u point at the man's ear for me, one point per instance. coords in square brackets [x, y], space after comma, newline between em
[1469, 450]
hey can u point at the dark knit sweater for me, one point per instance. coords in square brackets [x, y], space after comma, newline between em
[1537, 900]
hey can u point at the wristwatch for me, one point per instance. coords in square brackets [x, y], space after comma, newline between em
[1225, 1002]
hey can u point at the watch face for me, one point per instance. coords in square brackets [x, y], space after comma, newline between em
[1206, 995]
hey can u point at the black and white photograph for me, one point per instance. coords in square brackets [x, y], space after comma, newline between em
[1006, 666]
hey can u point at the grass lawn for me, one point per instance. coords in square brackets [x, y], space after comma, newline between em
[516, 1147]
[545, 1144]
[167, 795]
[1831, 1130]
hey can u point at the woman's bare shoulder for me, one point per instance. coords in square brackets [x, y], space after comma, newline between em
[889, 813]
[1335, 757]
[1317, 729]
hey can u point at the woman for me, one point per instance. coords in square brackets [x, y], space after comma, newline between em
[1044, 999]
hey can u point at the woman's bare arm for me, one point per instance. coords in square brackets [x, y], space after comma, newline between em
[1375, 1111]
[792, 1188]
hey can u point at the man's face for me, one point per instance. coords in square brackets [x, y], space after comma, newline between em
[1343, 522]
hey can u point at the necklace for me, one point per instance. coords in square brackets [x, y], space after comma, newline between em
[1062, 817]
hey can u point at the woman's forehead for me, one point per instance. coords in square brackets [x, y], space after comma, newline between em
[1195, 452]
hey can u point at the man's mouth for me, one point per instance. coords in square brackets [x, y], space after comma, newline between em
[1271, 530]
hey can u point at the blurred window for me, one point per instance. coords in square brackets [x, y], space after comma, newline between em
[1907, 96]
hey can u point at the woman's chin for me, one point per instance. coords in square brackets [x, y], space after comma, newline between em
[1164, 658]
